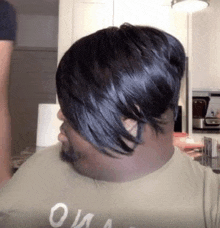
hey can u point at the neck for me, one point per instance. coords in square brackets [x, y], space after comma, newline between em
[155, 151]
[151, 155]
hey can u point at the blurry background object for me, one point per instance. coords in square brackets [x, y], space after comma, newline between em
[187, 144]
[206, 106]
[48, 126]
[211, 147]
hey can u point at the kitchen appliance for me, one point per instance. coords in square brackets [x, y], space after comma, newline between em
[206, 106]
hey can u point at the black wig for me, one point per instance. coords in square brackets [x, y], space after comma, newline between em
[127, 72]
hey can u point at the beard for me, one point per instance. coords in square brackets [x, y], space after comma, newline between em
[69, 155]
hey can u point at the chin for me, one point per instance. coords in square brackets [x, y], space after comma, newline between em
[65, 147]
[68, 153]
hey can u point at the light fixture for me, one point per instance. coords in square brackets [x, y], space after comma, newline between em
[189, 5]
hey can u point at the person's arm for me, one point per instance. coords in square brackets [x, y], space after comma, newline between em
[8, 27]
[6, 48]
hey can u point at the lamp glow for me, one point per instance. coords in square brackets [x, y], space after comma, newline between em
[189, 5]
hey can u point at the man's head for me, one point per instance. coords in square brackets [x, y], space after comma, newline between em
[116, 74]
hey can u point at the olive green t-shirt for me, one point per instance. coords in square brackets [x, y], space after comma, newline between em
[47, 192]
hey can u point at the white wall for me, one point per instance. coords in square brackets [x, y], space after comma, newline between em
[205, 53]
[78, 18]
[152, 13]
[37, 31]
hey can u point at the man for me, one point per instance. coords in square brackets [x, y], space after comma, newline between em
[7, 37]
[116, 167]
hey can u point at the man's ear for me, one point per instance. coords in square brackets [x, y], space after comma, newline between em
[131, 126]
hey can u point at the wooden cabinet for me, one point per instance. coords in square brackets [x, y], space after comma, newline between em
[90, 16]
[32, 81]
[78, 18]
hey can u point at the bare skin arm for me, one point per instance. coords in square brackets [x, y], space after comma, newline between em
[6, 48]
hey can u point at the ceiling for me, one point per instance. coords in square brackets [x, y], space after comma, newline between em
[50, 7]
[39, 7]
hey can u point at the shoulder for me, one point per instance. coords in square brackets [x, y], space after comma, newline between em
[44, 165]
[198, 173]
[193, 169]
[8, 23]
[39, 184]
[34, 186]
[41, 161]
[186, 160]
[203, 184]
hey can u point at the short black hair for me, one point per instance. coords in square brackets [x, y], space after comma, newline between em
[127, 72]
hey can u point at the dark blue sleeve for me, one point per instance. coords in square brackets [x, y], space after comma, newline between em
[7, 21]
